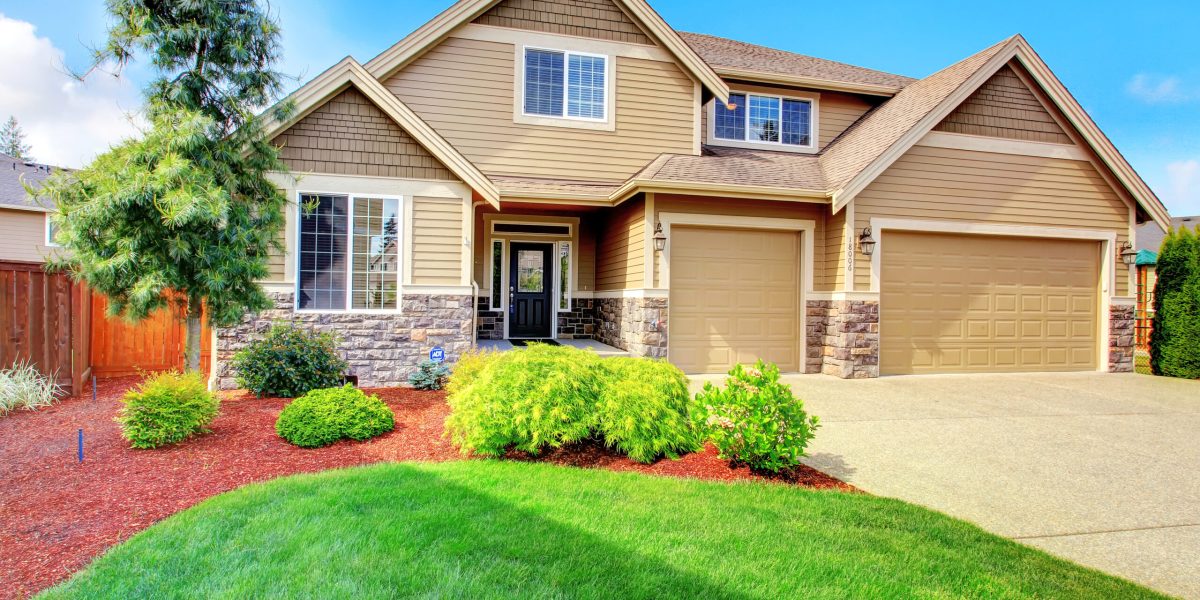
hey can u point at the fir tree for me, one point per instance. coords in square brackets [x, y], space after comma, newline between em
[12, 140]
[186, 213]
[1175, 338]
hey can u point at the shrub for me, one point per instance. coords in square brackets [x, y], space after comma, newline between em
[429, 376]
[755, 419]
[468, 367]
[322, 417]
[1175, 337]
[22, 386]
[528, 400]
[642, 409]
[166, 409]
[289, 361]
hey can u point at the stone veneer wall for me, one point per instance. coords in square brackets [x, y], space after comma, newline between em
[580, 322]
[382, 349]
[635, 325]
[1121, 339]
[845, 335]
[490, 324]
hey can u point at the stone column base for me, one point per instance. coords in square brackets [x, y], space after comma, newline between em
[842, 338]
[1121, 338]
[635, 325]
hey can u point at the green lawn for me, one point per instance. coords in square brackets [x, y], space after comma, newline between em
[486, 529]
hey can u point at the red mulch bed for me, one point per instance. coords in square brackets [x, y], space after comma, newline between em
[57, 514]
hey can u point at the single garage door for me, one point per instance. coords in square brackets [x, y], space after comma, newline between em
[735, 297]
[959, 303]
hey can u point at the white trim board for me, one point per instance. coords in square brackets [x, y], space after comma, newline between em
[962, 141]
[505, 35]
[1108, 240]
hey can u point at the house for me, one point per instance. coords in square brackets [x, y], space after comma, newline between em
[26, 234]
[582, 170]
[1149, 239]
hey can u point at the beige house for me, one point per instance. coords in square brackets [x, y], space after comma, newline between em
[582, 170]
[26, 234]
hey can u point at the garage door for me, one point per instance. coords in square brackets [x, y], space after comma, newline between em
[956, 303]
[735, 297]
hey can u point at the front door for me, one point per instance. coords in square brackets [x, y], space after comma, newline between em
[530, 310]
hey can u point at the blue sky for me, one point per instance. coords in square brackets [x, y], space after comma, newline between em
[1134, 66]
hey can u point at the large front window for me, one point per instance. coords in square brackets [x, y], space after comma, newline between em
[349, 255]
[762, 119]
[565, 84]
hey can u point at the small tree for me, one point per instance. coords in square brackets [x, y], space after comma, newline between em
[12, 140]
[187, 211]
[1175, 338]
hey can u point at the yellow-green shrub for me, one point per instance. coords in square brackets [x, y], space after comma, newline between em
[642, 409]
[167, 408]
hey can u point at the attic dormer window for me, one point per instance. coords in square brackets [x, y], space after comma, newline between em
[758, 119]
[566, 85]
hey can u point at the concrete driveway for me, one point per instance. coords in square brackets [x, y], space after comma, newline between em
[1102, 469]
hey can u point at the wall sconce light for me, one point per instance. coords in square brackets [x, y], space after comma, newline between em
[1128, 254]
[660, 238]
[866, 243]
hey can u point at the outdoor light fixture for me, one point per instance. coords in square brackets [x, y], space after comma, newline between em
[1128, 254]
[660, 238]
[866, 243]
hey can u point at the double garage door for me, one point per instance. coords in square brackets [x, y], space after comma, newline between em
[948, 303]
[958, 303]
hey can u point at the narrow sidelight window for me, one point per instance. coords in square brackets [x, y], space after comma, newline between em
[497, 273]
[564, 275]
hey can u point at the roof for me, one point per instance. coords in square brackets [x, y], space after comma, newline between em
[1150, 236]
[735, 166]
[536, 187]
[1146, 257]
[730, 57]
[14, 171]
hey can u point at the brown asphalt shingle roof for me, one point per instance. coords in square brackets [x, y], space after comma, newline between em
[734, 166]
[722, 52]
[868, 138]
[524, 186]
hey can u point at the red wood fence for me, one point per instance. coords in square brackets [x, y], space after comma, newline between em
[155, 344]
[45, 319]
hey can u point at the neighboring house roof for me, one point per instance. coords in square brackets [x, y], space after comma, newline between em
[1150, 236]
[734, 59]
[14, 173]
[1146, 257]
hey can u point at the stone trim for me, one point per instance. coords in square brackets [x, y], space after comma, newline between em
[1121, 338]
[635, 325]
[579, 322]
[383, 349]
[490, 323]
[844, 334]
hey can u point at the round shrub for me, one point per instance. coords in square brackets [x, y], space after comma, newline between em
[468, 367]
[642, 409]
[543, 396]
[322, 417]
[289, 361]
[167, 408]
[755, 419]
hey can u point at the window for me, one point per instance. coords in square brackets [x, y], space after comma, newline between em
[564, 275]
[531, 228]
[497, 273]
[349, 256]
[565, 84]
[51, 232]
[765, 120]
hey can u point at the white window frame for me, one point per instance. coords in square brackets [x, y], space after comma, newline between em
[570, 228]
[50, 243]
[813, 100]
[558, 275]
[401, 243]
[496, 294]
[519, 114]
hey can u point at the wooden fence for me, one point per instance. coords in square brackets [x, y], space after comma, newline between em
[45, 319]
[155, 344]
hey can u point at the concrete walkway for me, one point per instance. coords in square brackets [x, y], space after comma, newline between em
[1101, 469]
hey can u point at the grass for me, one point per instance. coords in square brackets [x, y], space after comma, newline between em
[487, 529]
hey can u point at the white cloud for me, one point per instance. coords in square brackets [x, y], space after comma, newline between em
[1182, 193]
[67, 122]
[1156, 89]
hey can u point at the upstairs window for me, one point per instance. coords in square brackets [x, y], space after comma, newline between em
[759, 119]
[566, 85]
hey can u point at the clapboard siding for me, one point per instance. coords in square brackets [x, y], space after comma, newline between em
[349, 135]
[835, 253]
[437, 241]
[23, 236]
[835, 111]
[620, 247]
[601, 19]
[465, 90]
[983, 187]
[1005, 107]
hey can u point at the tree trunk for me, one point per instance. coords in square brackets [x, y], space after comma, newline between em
[191, 347]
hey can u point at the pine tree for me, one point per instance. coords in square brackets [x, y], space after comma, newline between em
[12, 140]
[1175, 338]
[186, 214]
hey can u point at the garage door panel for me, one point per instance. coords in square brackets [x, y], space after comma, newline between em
[744, 298]
[986, 303]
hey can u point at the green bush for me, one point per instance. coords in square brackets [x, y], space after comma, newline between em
[289, 362]
[322, 417]
[468, 367]
[1175, 337]
[429, 376]
[642, 409]
[543, 396]
[755, 419]
[167, 408]
[23, 386]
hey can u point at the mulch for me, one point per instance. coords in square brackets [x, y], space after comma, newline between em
[57, 514]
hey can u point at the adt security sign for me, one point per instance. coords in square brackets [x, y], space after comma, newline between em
[437, 355]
